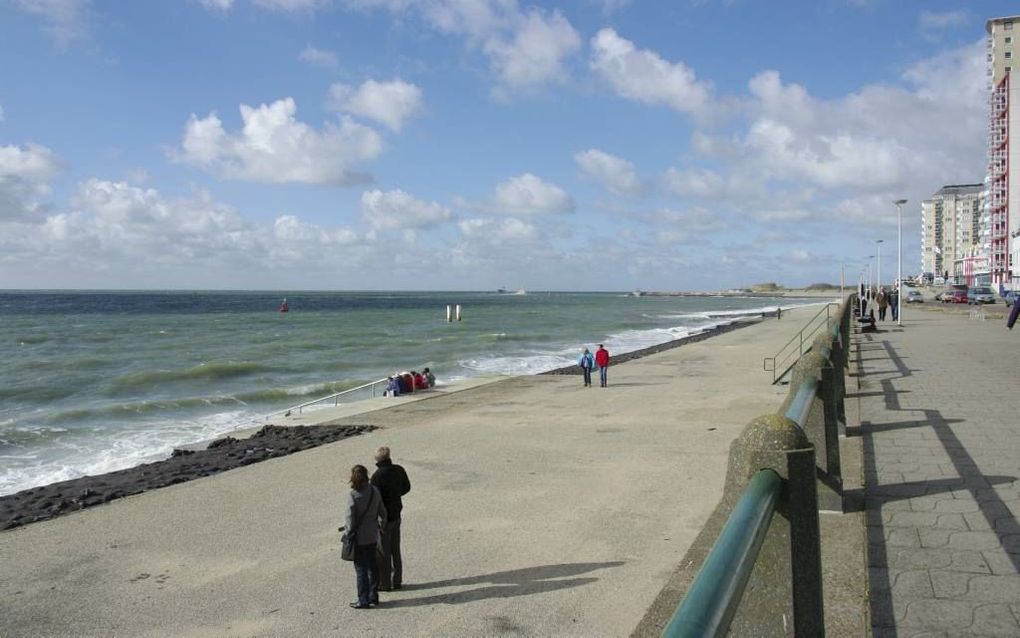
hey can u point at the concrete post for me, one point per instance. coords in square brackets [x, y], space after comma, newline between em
[784, 594]
[822, 425]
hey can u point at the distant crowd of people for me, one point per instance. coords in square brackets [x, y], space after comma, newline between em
[885, 300]
[409, 381]
[588, 362]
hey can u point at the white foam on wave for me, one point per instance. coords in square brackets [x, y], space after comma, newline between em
[116, 449]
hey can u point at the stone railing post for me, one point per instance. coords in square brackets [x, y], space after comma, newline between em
[784, 594]
[822, 424]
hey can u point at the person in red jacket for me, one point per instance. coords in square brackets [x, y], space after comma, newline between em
[602, 361]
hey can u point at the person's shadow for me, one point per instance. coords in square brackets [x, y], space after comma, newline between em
[515, 582]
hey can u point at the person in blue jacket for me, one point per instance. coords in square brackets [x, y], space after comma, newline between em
[587, 363]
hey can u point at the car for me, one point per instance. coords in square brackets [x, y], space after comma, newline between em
[1010, 297]
[958, 295]
[980, 295]
[915, 296]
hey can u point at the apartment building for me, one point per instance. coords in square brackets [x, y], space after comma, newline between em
[1003, 204]
[951, 234]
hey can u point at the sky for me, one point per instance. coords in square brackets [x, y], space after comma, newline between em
[476, 144]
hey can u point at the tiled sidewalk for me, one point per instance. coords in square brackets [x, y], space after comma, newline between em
[940, 417]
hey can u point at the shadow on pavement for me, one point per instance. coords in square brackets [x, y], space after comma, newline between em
[996, 512]
[515, 582]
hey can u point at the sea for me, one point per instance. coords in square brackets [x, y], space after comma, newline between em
[93, 382]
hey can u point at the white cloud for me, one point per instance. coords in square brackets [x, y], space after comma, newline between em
[292, 5]
[616, 174]
[390, 103]
[701, 183]
[398, 210]
[25, 177]
[65, 19]
[273, 147]
[120, 235]
[643, 75]
[528, 195]
[526, 49]
[319, 57]
[498, 231]
[534, 53]
[219, 5]
[798, 157]
[933, 21]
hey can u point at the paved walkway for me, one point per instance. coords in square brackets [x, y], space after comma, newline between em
[939, 414]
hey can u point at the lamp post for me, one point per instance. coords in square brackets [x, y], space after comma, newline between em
[899, 261]
[878, 278]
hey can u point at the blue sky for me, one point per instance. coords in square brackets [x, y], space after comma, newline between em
[470, 144]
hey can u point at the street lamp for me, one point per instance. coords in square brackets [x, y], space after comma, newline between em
[878, 281]
[899, 261]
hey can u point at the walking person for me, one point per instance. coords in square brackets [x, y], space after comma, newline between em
[883, 304]
[894, 303]
[602, 361]
[392, 482]
[587, 362]
[365, 513]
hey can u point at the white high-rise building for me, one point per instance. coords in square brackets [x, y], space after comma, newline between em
[1003, 207]
[951, 241]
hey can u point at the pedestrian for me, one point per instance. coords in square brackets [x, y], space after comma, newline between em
[894, 303]
[366, 512]
[587, 362]
[602, 361]
[779, 312]
[883, 303]
[1013, 312]
[392, 387]
[429, 377]
[392, 482]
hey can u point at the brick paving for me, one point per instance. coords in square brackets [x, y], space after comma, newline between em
[939, 414]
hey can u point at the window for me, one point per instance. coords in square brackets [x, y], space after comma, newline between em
[1009, 39]
[1008, 55]
[1007, 26]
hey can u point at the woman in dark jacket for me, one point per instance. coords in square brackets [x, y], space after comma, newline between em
[365, 505]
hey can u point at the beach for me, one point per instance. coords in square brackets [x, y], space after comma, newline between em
[104, 381]
[538, 507]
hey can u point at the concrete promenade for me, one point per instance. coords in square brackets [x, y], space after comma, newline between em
[538, 508]
[941, 433]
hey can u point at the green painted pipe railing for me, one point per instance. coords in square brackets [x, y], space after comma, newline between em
[715, 594]
[801, 405]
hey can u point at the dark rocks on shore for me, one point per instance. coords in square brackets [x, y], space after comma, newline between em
[48, 501]
[676, 343]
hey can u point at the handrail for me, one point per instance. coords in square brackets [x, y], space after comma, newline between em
[715, 594]
[783, 360]
[802, 401]
[299, 407]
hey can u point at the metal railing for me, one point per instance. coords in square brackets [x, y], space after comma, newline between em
[713, 598]
[335, 397]
[800, 343]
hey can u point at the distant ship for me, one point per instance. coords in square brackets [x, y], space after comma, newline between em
[505, 291]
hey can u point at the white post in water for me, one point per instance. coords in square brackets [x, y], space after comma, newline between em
[448, 315]
[458, 312]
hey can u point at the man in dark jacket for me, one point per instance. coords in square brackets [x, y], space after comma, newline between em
[392, 482]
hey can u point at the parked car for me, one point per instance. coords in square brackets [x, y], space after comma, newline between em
[958, 295]
[980, 295]
[1010, 297]
[941, 295]
[915, 296]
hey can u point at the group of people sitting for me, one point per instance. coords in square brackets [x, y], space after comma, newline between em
[408, 382]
